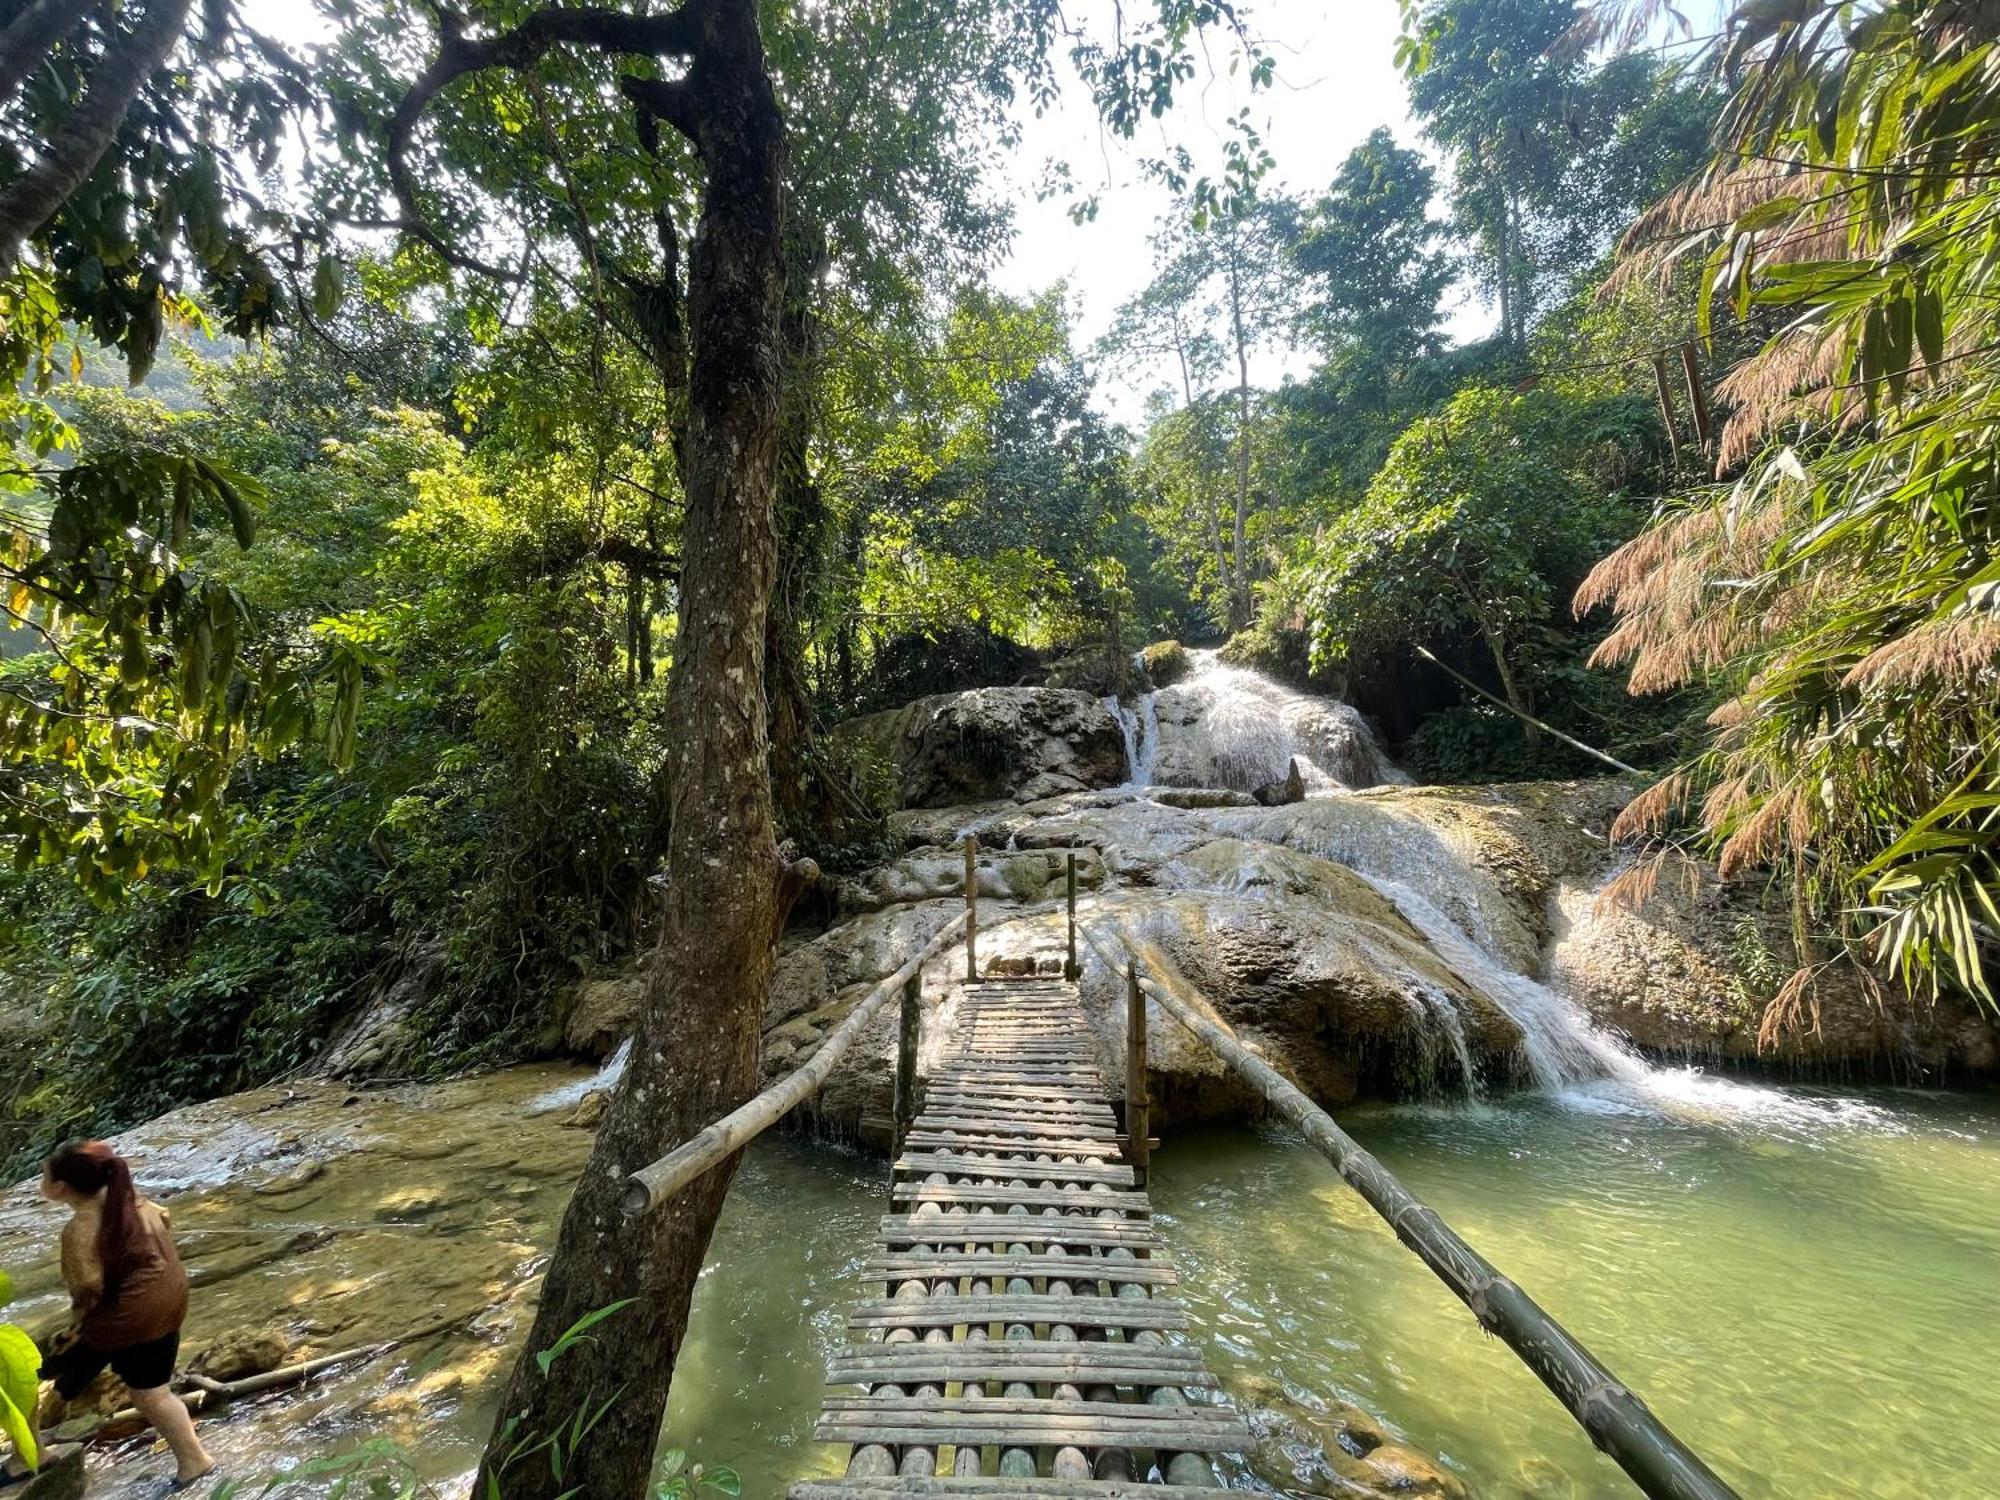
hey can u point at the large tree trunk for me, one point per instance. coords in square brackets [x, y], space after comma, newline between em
[32, 198]
[694, 1056]
[30, 35]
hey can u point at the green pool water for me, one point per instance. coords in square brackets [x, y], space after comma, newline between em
[1805, 1285]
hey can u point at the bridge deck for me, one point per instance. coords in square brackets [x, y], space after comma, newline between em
[1025, 1345]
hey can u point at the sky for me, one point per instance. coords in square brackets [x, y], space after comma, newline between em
[1336, 81]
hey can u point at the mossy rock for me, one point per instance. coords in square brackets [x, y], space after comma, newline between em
[1278, 652]
[1165, 662]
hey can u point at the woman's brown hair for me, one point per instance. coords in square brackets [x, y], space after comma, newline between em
[90, 1167]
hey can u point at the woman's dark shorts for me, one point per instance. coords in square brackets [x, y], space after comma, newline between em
[141, 1366]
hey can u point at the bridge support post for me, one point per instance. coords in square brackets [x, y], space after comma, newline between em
[972, 908]
[906, 1061]
[1138, 1106]
[1070, 970]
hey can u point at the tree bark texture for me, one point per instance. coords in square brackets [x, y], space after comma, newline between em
[31, 199]
[30, 35]
[695, 1051]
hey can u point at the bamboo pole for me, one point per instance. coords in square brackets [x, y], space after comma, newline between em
[1704, 424]
[906, 1061]
[1138, 1103]
[971, 908]
[1618, 1422]
[651, 1186]
[1666, 396]
[1569, 740]
[1070, 969]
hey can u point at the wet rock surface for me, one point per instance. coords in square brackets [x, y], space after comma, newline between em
[1687, 970]
[317, 1219]
[1022, 743]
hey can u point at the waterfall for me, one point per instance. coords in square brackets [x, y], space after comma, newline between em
[1232, 727]
[569, 1095]
[1141, 728]
[1563, 1046]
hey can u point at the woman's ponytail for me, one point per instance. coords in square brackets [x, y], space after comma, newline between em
[91, 1167]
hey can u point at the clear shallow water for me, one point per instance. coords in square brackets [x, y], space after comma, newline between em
[1806, 1285]
[1809, 1294]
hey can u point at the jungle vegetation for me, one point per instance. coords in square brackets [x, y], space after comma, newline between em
[457, 469]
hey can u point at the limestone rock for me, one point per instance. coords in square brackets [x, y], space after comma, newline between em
[1308, 1446]
[1282, 793]
[598, 1013]
[240, 1354]
[59, 1478]
[1687, 973]
[378, 1041]
[1196, 797]
[990, 743]
[1165, 663]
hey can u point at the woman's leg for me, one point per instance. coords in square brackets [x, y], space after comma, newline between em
[171, 1419]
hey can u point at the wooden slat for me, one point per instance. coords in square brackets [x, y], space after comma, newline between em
[1032, 1422]
[954, 1139]
[1017, 1229]
[979, 1166]
[998, 1194]
[1004, 1124]
[1076, 1312]
[964, 1100]
[1033, 1362]
[935, 1265]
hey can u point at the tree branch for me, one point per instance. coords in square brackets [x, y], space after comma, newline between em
[33, 198]
[613, 32]
[664, 99]
[30, 35]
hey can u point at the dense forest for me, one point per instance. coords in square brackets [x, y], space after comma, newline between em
[463, 465]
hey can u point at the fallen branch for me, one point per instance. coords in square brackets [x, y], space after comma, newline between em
[1569, 740]
[212, 1393]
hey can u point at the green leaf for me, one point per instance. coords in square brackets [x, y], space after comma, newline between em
[328, 286]
[574, 1334]
[20, 1388]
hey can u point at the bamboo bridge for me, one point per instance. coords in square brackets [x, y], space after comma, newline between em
[1021, 1340]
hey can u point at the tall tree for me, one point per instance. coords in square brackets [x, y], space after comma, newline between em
[717, 347]
[1222, 284]
[1374, 271]
[1375, 257]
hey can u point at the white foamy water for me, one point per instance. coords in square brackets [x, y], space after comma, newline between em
[1141, 728]
[1231, 727]
[1585, 1068]
[572, 1094]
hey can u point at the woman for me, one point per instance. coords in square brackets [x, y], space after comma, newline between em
[128, 1295]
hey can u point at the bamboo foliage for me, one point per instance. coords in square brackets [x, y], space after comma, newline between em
[1839, 581]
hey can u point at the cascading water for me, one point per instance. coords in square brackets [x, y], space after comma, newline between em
[603, 1081]
[1141, 727]
[1563, 1047]
[1231, 727]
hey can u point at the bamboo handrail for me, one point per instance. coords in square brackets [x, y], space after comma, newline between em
[1619, 1423]
[651, 1186]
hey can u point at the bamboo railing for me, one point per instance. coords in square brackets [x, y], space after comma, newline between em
[651, 1186]
[1619, 1423]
